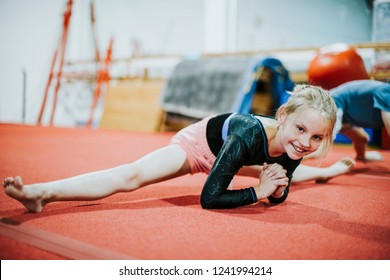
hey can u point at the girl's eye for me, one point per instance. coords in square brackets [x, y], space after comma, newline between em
[300, 129]
[317, 138]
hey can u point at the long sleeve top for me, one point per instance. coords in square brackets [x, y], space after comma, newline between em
[238, 140]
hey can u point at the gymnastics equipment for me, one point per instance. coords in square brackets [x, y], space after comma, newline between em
[334, 65]
[206, 86]
[57, 65]
[103, 78]
[133, 105]
[61, 52]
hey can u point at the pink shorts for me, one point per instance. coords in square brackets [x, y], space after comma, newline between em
[192, 139]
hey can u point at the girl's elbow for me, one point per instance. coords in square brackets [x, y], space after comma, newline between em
[206, 202]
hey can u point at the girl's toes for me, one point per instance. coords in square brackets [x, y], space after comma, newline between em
[8, 181]
[18, 182]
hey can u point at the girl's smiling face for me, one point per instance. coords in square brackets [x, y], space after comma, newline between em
[302, 132]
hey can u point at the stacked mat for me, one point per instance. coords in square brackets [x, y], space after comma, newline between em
[199, 88]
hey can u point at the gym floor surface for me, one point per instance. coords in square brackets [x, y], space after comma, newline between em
[346, 218]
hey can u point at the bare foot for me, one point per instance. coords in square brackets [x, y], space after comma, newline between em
[344, 165]
[371, 156]
[15, 188]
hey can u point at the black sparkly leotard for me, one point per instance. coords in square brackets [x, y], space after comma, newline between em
[245, 144]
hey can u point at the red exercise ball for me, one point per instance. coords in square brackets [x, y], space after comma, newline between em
[334, 65]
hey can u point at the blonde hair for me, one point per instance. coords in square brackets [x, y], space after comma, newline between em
[307, 96]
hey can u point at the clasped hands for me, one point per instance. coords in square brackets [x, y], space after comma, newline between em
[272, 181]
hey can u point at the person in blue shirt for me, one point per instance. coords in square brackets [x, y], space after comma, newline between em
[363, 104]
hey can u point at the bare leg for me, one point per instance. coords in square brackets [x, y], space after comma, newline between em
[160, 165]
[360, 138]
[305, 173]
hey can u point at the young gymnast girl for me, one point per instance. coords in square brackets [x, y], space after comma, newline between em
[221, 146]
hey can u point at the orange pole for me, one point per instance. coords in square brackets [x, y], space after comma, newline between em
[54, 59]
[97, 52]
[67, 16]
[103, 77]
[47, 87]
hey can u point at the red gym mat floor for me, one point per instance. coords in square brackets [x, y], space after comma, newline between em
[346, 218]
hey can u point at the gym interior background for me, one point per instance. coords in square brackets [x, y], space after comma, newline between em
[149, 38]
[123, 60]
